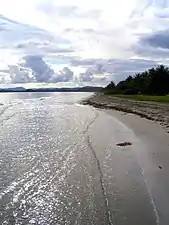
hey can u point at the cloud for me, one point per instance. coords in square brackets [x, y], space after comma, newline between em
[70, 11]
[28, 39]
[96, 70]
[158, 39]
[154, 46]
[86, 77]
[16, 31]
[4, 71]
[111, 69]
[67, 73]
[20, 75]
[43, 47]
[83, 62]
[150, 52]
[41, 70]
[123, 68]
[64, 75]
[30, 44]
[34, 69]
[57, 41]
[52, 9]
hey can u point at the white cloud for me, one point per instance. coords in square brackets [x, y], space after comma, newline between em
[62, 31]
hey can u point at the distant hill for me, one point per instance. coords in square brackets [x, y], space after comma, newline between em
[74, 89]
[14, 89]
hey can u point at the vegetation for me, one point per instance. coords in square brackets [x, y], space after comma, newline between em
[153, 82]
[145, 97]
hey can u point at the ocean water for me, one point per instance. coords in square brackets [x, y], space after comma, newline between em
[45, 165]
[60, 164]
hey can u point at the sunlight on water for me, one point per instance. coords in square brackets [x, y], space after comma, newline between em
[42, 151]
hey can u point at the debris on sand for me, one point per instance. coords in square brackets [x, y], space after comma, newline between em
[157, 112]
[123, 144]
[123, 114]
[160, 167]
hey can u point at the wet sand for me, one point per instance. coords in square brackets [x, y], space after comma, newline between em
[153, 158]
[150, 145]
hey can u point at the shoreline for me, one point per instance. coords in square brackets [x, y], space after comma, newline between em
[149, 149]
[157, 112]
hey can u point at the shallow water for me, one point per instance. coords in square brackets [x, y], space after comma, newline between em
[42, 149]
[60, 164]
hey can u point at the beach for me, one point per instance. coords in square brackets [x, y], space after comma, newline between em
[157, 112]
[66, 163]
[147, 130]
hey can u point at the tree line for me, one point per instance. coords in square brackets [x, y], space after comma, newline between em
[154, 81]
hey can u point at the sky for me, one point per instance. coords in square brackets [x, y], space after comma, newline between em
[77, 42]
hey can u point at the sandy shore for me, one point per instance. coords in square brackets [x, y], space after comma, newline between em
[149, 150]
[150, 110]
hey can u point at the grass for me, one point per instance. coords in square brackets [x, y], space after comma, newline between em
[164, 99]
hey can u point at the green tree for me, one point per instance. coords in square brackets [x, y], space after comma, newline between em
[154, 81]
[111, 85]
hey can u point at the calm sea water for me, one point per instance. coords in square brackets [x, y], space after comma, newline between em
[60, 165]
[45, 167]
